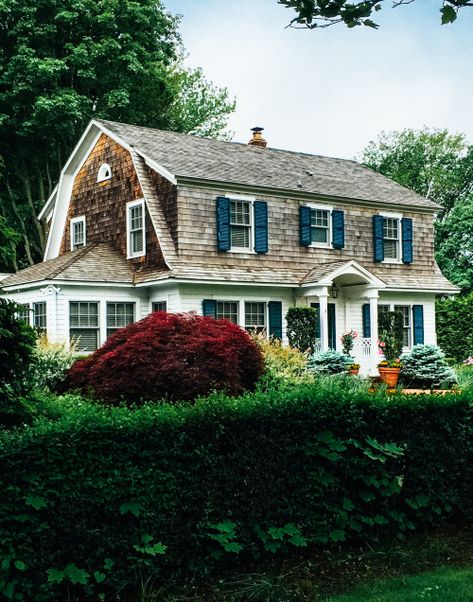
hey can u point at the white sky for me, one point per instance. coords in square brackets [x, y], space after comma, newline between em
[331, 91]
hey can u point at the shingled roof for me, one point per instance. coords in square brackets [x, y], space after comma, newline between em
[187, 156]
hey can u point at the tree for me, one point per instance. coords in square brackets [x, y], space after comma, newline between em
[314, 14]
[63, 62]
[439, 166]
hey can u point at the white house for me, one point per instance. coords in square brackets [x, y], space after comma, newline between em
[145, 220]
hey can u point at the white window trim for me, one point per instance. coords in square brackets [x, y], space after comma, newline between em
[76, 220]
[251, 249]
[129, 206]
[328, 244]
[101, 318]
[104, 169]
[398, 216]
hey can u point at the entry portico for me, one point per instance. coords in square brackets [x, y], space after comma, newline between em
[348, 286]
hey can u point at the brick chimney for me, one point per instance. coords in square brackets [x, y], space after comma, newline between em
[257, 139]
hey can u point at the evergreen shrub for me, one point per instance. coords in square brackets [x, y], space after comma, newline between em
[425, 366]
[169, 356]
[454, 325]
[302, 325]
[105, 496]
[391, 334]
[329, 362]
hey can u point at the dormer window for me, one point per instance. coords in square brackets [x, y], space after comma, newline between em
[105, 173]
[135, 226]
[78, 232]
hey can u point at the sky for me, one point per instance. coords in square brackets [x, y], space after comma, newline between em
[332, 91]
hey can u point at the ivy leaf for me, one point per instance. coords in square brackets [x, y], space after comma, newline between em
[233, 546]
[55, 575]
[298, 540]
[20, 565]
[337, 535]
[99, 577]
[449, 14]
[131, 507]
[75, 574]
[36, 501]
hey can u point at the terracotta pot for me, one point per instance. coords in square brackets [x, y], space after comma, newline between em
[390, 376]
[353, 371]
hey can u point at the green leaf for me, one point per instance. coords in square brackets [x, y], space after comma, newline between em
[99, 577]
[75, 574]
[337, 535]
[298, 540]
[131, 507]
[36, 501]
[233, 546]
[20, 565]
[225, 527]
[55, 575]
[449, 14]
[108, 564]
[347, 504]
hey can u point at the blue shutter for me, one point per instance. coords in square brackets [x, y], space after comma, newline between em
[406, 228]
[378, 246]
[304, 226]
[261, 226]
[223, 223]
[418, 318]
[209, 308]
[275, 319]
[338, 229]
[366, 321]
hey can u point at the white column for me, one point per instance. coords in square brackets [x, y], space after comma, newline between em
[373, 299]
[323, 301]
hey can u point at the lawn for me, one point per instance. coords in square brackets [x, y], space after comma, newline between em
[442, 585]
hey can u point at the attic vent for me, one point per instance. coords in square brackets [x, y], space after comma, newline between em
[105, 173]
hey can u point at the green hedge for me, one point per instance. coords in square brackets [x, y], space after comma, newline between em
[100, 499]
[454, 323]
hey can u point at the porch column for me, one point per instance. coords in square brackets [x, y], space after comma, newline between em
[323, 301]
[373, 299]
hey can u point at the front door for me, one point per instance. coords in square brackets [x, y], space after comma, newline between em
[332, 329]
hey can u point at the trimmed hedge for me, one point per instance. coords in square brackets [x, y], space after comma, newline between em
[105, 496]
[454, 324]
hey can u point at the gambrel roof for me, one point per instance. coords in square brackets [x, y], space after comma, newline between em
[192, 157]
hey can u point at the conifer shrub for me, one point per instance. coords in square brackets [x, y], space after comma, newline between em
[425, 366]
[329, 362]
[169, 356]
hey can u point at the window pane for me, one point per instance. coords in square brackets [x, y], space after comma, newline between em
[227, 310]
[119, 315]
[137, 241]
[406, 312]
[159, 306]
[390, 249]
[23, 313]
[39, 315]
[319, 235]
[240, 212]
[86, 339]
[255, 316]
[240, 236]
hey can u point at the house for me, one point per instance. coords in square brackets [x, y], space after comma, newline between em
[145, 220]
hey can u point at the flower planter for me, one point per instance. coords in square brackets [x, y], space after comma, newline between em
[390, 376]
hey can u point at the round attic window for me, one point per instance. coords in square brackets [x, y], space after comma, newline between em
[105, 173]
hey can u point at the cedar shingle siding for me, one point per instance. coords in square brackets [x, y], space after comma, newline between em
[104, 203]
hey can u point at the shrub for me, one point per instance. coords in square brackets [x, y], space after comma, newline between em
[391, 334]
[99, 494]
[425, 366]
[454, 324]
[329, 362]
[301, 327]
[50, 363]
[281, 362]
[172, 356]
[17, 341]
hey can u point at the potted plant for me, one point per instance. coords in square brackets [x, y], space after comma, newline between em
[391, 330]
[354, 369]
[348, 342]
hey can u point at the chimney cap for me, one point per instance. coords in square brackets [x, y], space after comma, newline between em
[257, 129]
[257, 139]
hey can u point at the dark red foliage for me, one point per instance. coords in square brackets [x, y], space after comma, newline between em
[171, 356]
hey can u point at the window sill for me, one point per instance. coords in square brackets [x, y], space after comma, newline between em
[392, 261]
[320, 245]
[136, 256]
[242, 250]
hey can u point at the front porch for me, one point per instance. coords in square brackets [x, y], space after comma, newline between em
[347, 298]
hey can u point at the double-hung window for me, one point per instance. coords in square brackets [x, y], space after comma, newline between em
[135, 220]
[320, 226]
[77, 232]
[24, 312]
[84, 324]
[406, 313]
[39, 315]
[391, 238]
[227, 310]
[240, 225]
[159, 306]
[255, 316]
[119, 315]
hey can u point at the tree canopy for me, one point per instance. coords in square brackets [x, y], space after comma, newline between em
[63, 62]
[314, 14]
[439, 166]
